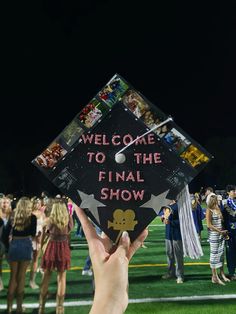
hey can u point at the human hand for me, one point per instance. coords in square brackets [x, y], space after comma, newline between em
[224, 232]
[110, 266]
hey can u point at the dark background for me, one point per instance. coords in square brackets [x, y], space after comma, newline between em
[56, 55]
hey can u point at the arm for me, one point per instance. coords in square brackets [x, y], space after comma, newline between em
[110, 267]
[209, 223]
[166, 215]
[70, 224]
[45, 231]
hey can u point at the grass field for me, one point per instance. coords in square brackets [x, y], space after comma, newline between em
[146, 269]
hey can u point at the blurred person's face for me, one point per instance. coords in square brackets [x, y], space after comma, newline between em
[39, 204]
[232, 193]
[6, 203]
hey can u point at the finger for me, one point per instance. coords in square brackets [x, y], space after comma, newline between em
[88, 227]
[107, 242]
[137, 243]
[124, 244]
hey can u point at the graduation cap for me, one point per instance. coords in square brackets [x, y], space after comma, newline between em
[122, 159]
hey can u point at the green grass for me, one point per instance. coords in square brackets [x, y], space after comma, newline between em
[146, 269]
[213, 307]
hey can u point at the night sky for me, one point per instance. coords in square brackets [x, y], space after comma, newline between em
[56, 55]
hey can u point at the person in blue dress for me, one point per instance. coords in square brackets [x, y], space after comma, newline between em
[198, 215]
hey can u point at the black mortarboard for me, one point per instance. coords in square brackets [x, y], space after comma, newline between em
[122, 159]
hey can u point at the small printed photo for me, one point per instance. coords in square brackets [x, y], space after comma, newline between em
[114, 89]
[163, 130]
[92, 113]
[178, 178]
[50, 156]
[194, 156]
[135, 103]
[152, 117]
[72, 133]
[65, 179]
[177, 140]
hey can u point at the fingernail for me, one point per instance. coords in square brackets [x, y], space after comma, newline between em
[125, 234]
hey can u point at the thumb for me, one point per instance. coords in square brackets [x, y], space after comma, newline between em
[124, 244]
[137, 243]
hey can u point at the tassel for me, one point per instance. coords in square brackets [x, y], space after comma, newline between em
[191, 244]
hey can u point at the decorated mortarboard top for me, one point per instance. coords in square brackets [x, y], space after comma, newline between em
[122, 159]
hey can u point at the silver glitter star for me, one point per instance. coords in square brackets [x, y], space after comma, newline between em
[156, 202]
[88, 201]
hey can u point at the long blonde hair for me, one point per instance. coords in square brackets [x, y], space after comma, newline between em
[214, 206]
[59, 215]
[22, 214]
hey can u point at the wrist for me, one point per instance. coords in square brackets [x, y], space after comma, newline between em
[108, 305]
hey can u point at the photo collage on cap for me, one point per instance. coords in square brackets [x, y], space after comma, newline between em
[176, 139]
[116, 90]
[85, 121]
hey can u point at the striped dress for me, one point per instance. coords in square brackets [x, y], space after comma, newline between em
[217, 242]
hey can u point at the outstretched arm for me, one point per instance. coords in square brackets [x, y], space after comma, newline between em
[110, 266]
